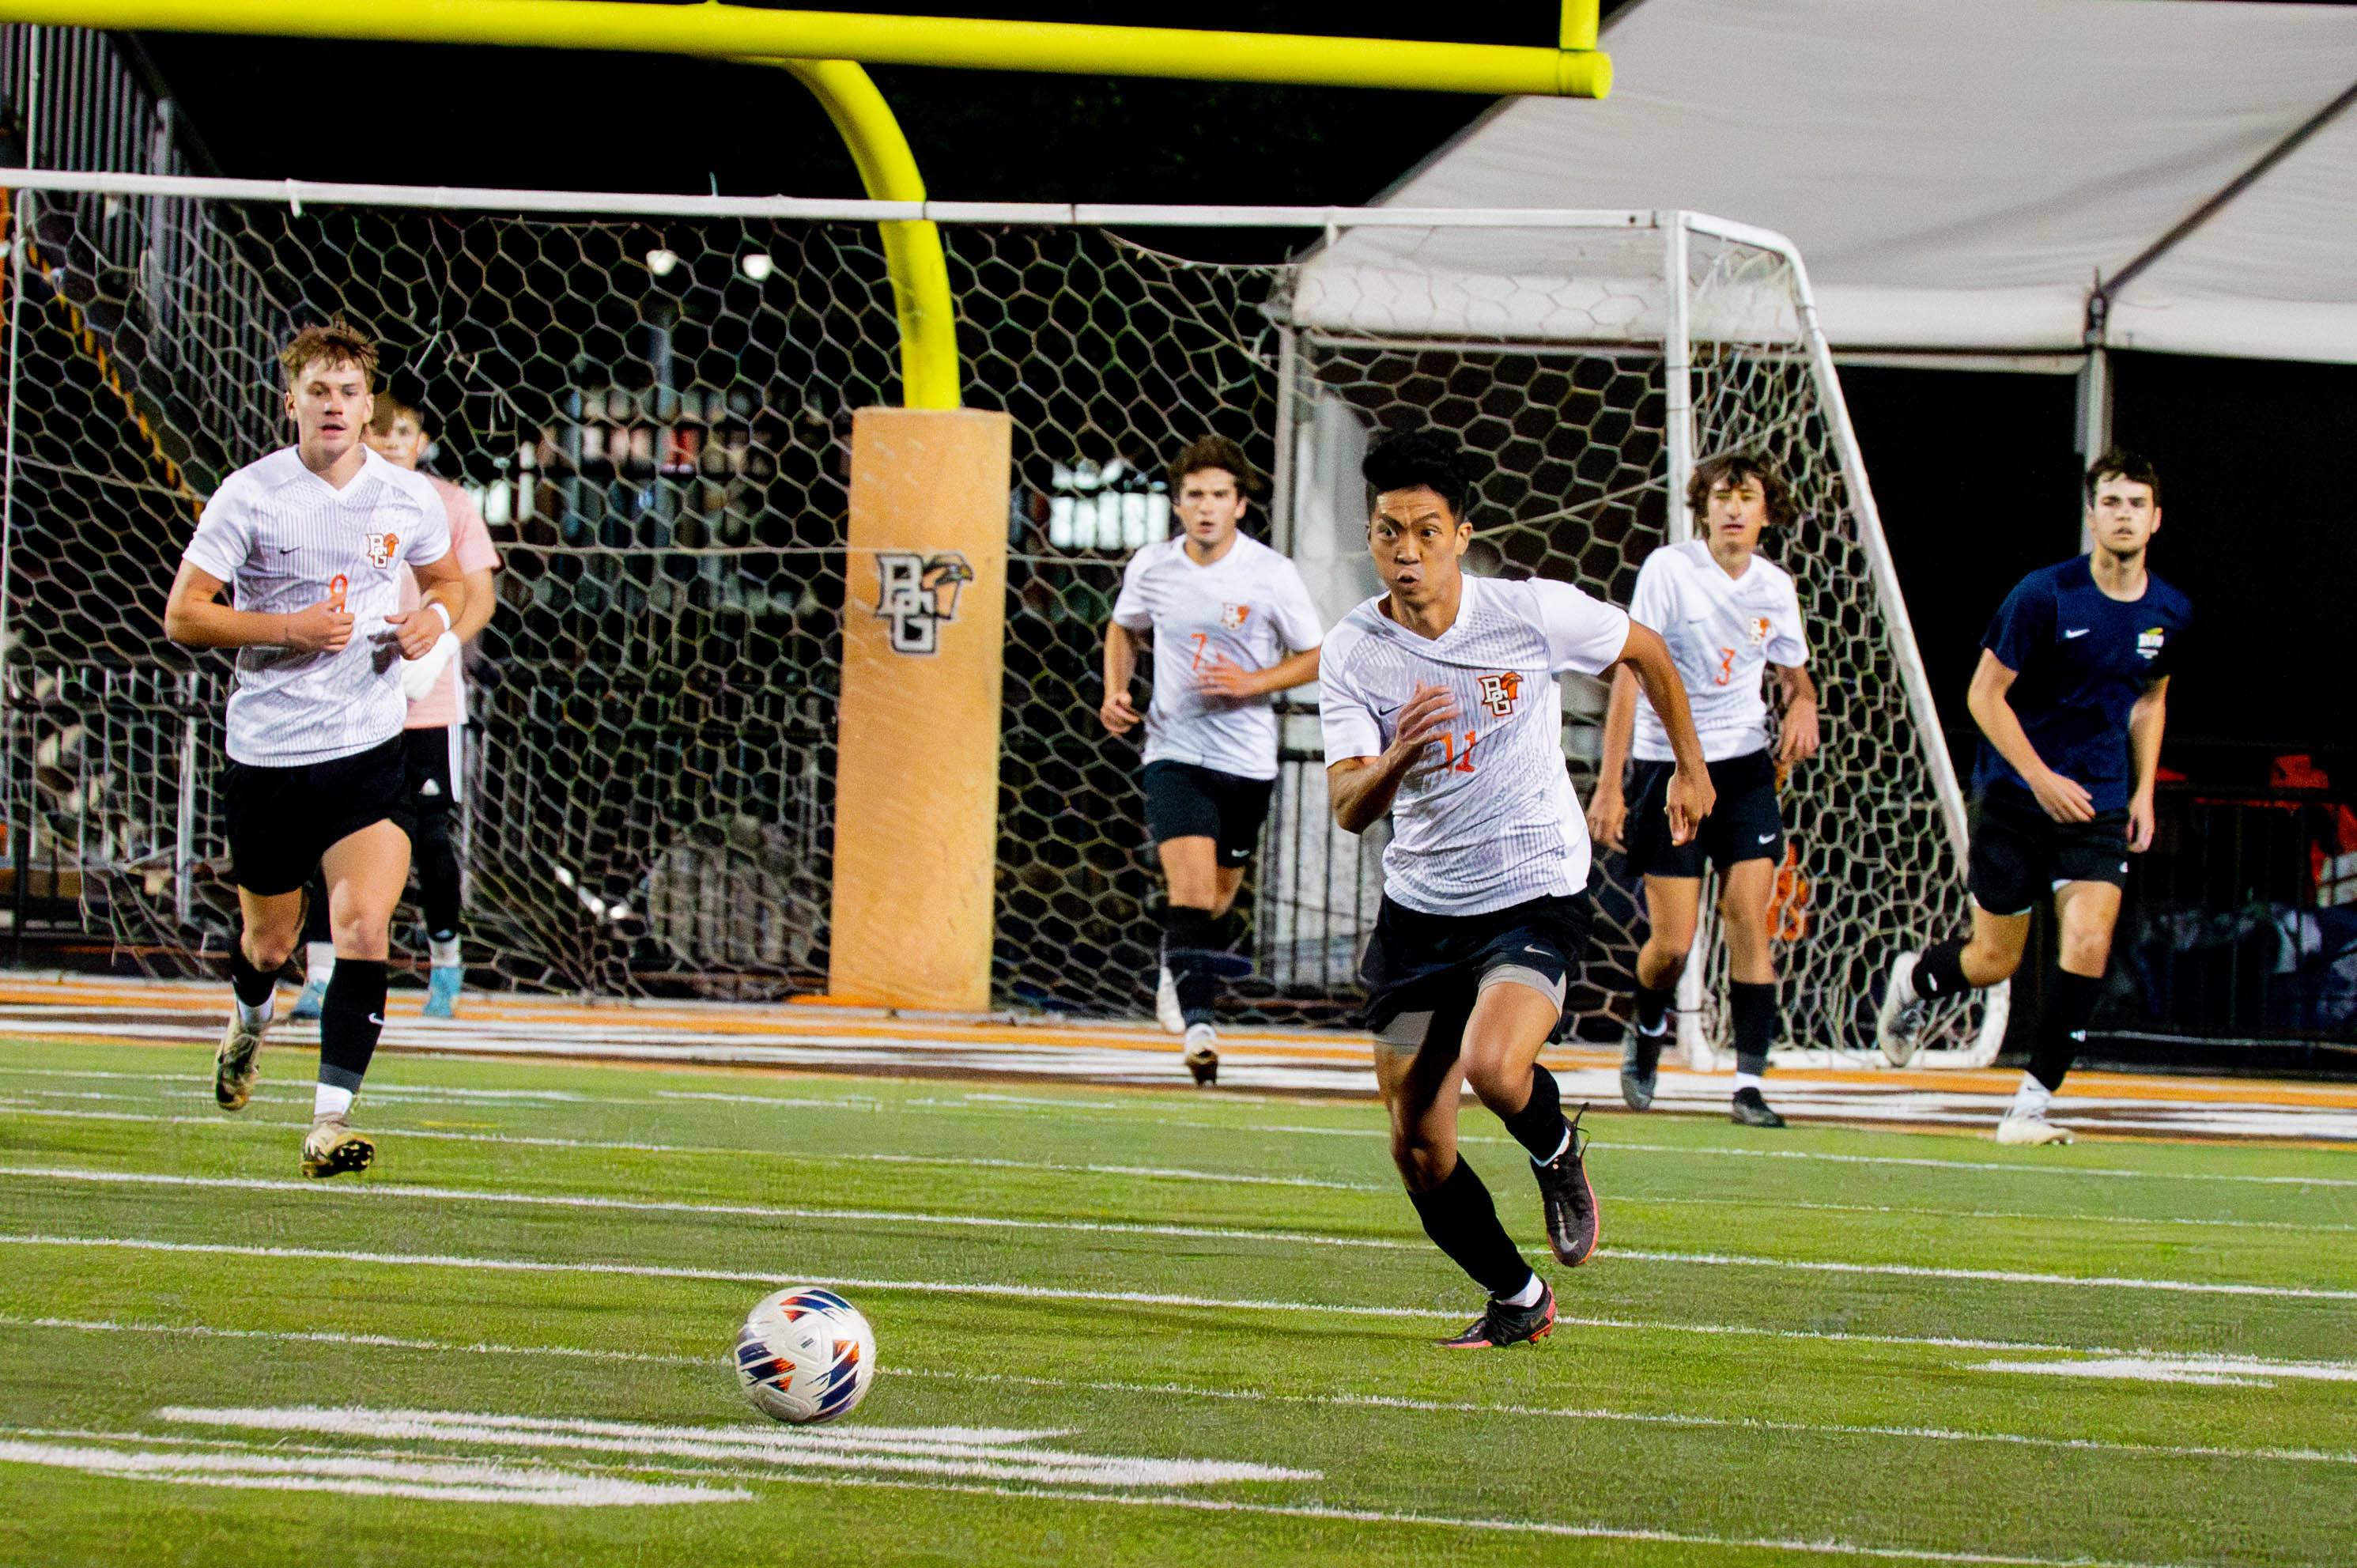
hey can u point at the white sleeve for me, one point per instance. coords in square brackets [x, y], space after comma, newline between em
[1348, 724]
[1583, 632]
[1788, 635]
[224, 535]
[431, 540]
[1296, 617]
[1655, 602]
[1133, 609]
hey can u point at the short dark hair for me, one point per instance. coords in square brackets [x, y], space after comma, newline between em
[338, 343]
[391, 411]
[1216, 452]
[1732, 469]
[1406, 458]
[2118, 462]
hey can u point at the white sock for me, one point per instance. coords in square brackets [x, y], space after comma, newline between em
[318, 961]
[255, 1018]
[1529, 1294]
[2031, 1099]
[327, 1099]
[1744, 1081]
[1551, 1159]
[444, 951]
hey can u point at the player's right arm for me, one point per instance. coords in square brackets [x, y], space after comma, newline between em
[1691, 794]
[1360, 789]
[2065, 799]
[1608, 808]
[194, 616]
[1120, 669]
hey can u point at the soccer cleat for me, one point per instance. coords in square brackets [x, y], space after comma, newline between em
[332, 1149]
[307, 1005]
[2031, 1128]
[233, 1068]
[1641, 1065]
[1750, 1108]
[1202, 1060]
[1165, 1003]
[1899, 1029]
[1573, 1225]
[1500, 1325]
[442, 991]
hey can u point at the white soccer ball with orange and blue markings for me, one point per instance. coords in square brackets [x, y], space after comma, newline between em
[805, 1355]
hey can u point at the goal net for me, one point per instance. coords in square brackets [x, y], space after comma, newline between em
[651, 399]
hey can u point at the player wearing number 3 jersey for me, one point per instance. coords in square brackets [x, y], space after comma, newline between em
[1439, 705]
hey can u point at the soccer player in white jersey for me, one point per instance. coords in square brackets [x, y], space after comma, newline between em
[432, 736]
[313, 539]
[1732, 620]
[1439, 705]
[1232, 624]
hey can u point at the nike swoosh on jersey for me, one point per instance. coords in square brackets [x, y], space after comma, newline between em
[377, 1019]
[2080, 631]
[1767, 838]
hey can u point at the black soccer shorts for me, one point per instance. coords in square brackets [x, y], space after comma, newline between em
[1744, 823]
[1183, 800]
[1424, 973]
[282, 820]
[2021, 855]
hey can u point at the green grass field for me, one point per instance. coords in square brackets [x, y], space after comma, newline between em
[1125, 1328]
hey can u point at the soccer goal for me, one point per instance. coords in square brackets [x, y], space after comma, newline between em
[652, 397]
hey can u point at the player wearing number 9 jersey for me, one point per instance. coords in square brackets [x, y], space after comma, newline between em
[1231, 625]
[1439, 705]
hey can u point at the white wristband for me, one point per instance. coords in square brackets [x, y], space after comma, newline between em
[436, 605]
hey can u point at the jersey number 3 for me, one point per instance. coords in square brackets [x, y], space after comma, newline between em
[1725, 676]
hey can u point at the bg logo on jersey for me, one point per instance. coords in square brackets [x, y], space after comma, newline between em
[1759, 629]
[381, 548]
[919, 595]
[1233, 616]
[1499, 692]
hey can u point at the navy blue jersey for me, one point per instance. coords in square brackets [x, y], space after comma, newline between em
[2080, 660]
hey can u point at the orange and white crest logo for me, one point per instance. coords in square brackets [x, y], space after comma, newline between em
[383, 548]
[1499, 692]
[1233, 616]
[1759, 629]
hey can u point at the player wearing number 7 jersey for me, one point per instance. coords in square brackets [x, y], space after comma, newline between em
[1439, 706]
[1231, 625]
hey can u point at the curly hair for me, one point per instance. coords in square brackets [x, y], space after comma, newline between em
[1733, 468]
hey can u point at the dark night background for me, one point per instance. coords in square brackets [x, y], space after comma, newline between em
[1975, 471]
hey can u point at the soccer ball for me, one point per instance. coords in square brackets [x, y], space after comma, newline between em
[805, 1355]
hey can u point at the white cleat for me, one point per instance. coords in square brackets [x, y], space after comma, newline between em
[1165, 1004]
[332, 1149]
[1202, 1059]
[2031, 1129]
[1899, 1029]
[233, 1068]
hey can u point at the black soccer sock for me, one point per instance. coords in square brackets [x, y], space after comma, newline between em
[1941, 971]
[1186, 950]
[1654, 1009]
[1462, 1222]
[437, 876]
[253, 986]
[316, 927]
[349, 1021]
[1538, 1125]
[1754, 1008]
[2062, 1026]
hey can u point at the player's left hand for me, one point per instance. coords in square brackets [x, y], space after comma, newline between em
[1225, 678]
[2140, 824]
[416, 632]
[1690, 799]
[1798, 742]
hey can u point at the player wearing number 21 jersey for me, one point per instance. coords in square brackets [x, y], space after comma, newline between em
[1439, 705]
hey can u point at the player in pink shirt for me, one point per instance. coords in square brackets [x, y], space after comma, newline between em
[432, 736]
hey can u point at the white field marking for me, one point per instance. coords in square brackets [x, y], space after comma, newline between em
[2215, 1370]
[460, 1480]
[1026, 1293]
[1991, 1276]
[947, 1452]
[367, 1341]
[1708, 1260]
[655, 1206]
[1667, 1418]
[520, 1140]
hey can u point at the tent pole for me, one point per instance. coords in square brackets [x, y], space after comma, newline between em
[2094, 415]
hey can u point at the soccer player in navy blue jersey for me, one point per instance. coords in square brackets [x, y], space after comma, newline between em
[2071, 696]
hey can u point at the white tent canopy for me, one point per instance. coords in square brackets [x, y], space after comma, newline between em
[1960, 175]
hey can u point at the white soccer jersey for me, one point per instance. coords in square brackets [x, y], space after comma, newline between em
[1723, 632]
[284, 539]
[1250, 608]
[1488, 819]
